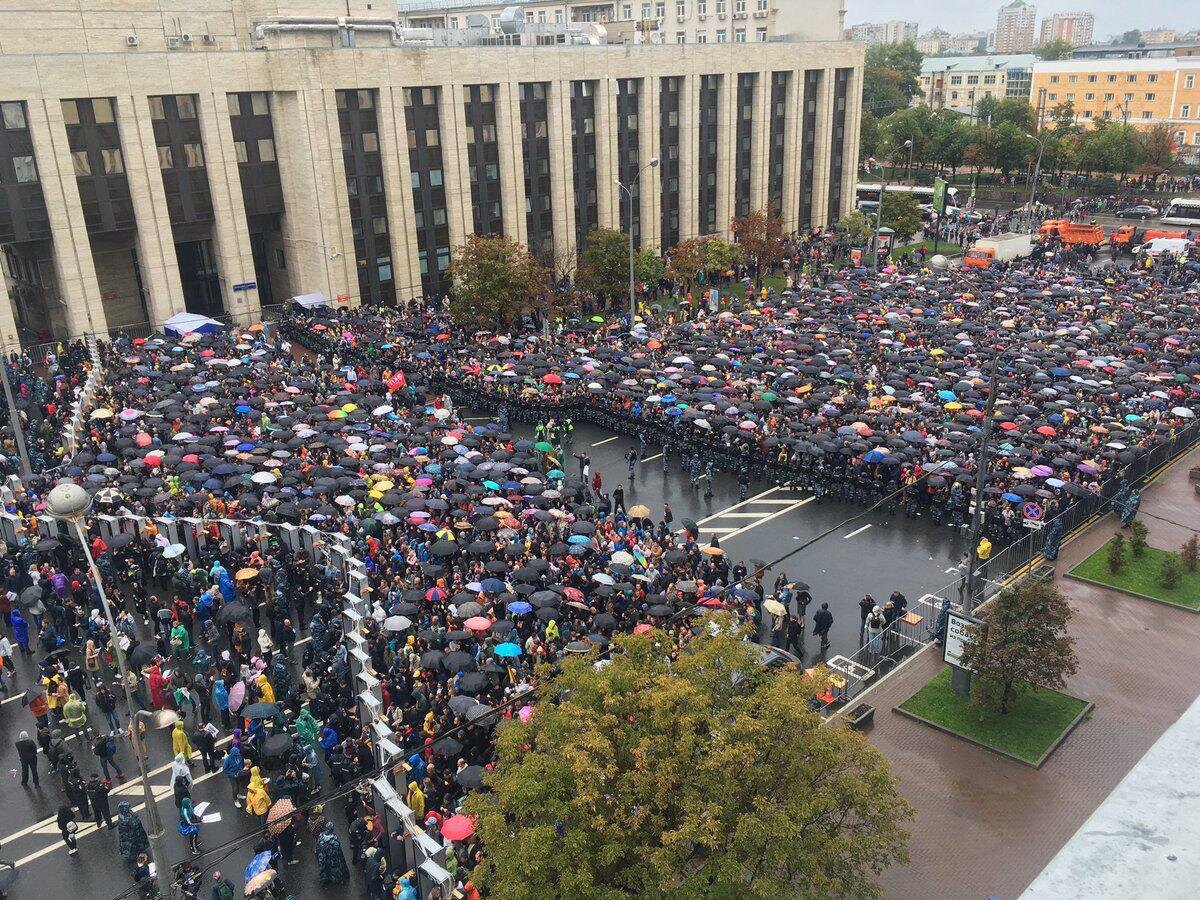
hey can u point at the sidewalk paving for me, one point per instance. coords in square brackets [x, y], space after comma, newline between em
[986, 826]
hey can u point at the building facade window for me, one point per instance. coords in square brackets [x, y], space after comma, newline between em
[358, 124]
[629, 92]
[708, 136]
[747, 88]
[808, 144]
[837, 149]
[669, 96]
[483, 158]
[536, 146]
[583, 160]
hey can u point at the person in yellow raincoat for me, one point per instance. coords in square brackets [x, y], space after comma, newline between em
[265, 689]
[180, 742]
[415, 798]
[258, 801]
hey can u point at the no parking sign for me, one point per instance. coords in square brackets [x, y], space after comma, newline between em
[1033, 513]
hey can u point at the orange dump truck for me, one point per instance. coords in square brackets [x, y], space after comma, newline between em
[1129, 236]
[1072, 234]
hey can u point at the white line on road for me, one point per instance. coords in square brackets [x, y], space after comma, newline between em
[846, 537]
[748, 515]
[605, 441]
[775, 515]
[717, 530]
[652, 458]
[737, 505]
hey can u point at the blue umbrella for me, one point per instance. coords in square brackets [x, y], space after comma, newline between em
[874, 456]
[946, 395]
[1012, 498]
[507, 650]
[258, 865]
[492, 585]
[579, 539]
[519, 608]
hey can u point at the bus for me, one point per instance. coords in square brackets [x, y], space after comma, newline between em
[1182, 211]
[868, 192]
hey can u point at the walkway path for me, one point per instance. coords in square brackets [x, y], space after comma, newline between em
[986, 826]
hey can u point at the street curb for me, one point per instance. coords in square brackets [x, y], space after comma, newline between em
[1083, 713]
[1100, 584]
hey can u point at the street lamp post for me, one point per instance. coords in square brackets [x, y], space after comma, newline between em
[70, 502]
[908, 171]
[873, 164]
[1037, 172]
[14, 417]
[628, 189]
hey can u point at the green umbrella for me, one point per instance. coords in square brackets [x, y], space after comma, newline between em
[544, 447]
[598, 319]
[770, 396]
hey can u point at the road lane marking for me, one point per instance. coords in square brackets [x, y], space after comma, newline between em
[748, 515]
[775, 515]
[737, 505]
[652, 458]
[846, 537]
[605, 441]
[718, 530]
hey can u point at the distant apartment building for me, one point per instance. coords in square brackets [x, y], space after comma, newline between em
[1015, 24]
[1183, 46]
[1159, 35]
[1141, 92]
[960, 82]
[1075, 28]
[890, 32]
[937, 42]
[652, 21]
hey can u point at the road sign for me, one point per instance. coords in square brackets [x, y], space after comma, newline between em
[957, 633]
[1033, 511]
[245, 286]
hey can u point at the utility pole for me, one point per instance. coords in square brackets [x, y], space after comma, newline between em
[14, 417]
[628, 189]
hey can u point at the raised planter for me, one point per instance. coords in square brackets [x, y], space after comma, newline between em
[861, 717]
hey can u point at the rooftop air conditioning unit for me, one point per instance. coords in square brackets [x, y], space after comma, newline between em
[209, 39]
[186, 37]
[172, 42]
[132, 40]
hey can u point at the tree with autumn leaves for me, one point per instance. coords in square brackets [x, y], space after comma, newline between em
[701, 776]
[495, 280]
[1021, 639]
[760, 235]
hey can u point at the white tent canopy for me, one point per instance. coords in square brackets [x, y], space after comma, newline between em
[310, 301]
[186, 323]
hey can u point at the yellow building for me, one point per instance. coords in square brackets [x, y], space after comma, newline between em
[1142, 92]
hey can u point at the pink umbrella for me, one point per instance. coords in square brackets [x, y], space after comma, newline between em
[1042, 471]
[237, 694]
[525, 713]
[478, 623]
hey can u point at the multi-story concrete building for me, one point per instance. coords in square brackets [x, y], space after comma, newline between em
[1014, 27]
[1158, 35]
[660, 21]
[1141, 92]
[960, 82]
[1075, 28]
[891, 32]
[233, 156]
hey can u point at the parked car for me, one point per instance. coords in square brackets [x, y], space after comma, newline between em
[1140, 211]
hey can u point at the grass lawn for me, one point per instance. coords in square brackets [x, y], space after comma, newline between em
[1035, 719]
[1141, 576]
[771, 282]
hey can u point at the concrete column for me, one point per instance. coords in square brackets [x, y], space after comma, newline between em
[727, 119]
[608, 199]
[821, 150]
[760, 142]
[649, 147]
[792, 147]
[689, 150]
[231, 234]
[397, 186]
[74, 268]
[512, 157]
[562, 174]
[157, 262]
[456, 164]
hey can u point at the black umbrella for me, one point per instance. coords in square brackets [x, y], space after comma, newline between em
[233, 612]
[446, 746]
[142, 654]
[470, 778]
[259, 711]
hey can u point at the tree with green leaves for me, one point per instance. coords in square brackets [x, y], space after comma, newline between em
[702, 776]
[1116, 553]
[1158, 151]
[949, 138]
[1110, 147]
[495, 280]
[1055, 49]
[891, 77]
[902, 214]
[1010, 148]
[721, 255]
[1018, 112]
[1021, 639]
[1189, 553]
[1170, 574]
[1138, 532]
[855, 229]
[604, 264]
[760, 235]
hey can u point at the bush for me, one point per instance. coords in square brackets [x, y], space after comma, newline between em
[1189, 553]
[1137, 537]
[1171, 573]
[1116, 553]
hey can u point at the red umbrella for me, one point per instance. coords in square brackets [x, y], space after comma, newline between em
[552, 378]
[458, 828]
[1047, 431]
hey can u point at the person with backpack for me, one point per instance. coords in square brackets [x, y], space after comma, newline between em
[97, 792]
[222, 887]
[105, 749]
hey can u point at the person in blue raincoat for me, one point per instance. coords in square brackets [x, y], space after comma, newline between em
[221, 697]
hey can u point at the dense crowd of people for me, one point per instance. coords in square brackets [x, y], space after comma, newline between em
[488, 554]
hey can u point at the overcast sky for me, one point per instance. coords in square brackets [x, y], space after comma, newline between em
[955, 16]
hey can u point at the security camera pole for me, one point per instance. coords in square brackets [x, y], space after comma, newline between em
[71, 503]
